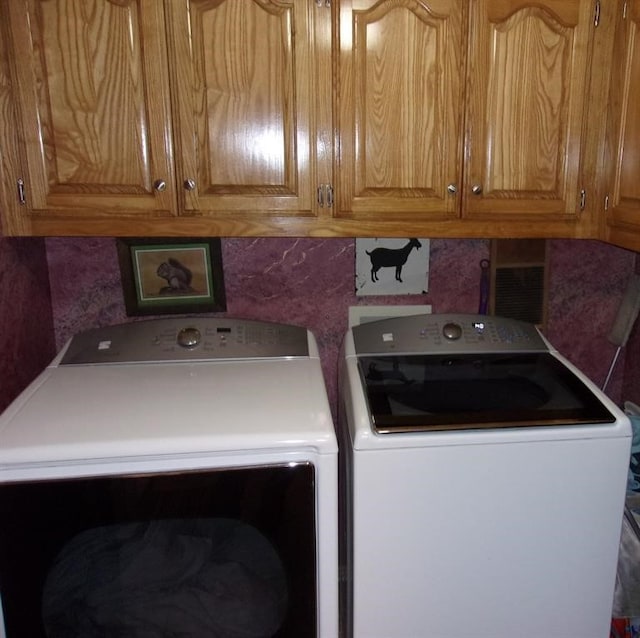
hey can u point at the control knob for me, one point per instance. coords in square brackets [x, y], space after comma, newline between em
[188, 337]
[452, 331]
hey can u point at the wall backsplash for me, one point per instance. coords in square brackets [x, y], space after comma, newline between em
[310, 282]
[26, 323]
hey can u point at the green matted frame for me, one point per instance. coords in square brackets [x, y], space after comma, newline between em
[171, 276]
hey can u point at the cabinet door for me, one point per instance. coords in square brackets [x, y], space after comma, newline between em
[246, 86]
[624, 122]
[528, 64]
[94, 103]
[12, 213]
[399, 129]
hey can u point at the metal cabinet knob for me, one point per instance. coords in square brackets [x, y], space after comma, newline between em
[452, 188]
[159, 185]
[476, 189]
[189, 184]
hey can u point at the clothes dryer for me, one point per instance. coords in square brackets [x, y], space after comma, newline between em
[171, 477]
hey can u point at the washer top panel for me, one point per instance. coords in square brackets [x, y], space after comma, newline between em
[186, 339]
[446, 333]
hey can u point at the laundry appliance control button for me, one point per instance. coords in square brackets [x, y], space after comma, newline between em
[188, 337]
[452, 331]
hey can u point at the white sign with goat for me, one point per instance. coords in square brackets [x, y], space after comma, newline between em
[392, 266]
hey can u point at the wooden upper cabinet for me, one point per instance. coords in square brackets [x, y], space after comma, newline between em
[305, 117]
[528, 66]
[623, 131]
[400, 105]
[244, 103]
[92, 90]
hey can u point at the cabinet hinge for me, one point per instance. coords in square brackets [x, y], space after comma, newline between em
[606, 202]
[325, 195]
[21, 193]
[583, 199]
[596, 17]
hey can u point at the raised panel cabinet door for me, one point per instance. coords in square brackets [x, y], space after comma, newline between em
[400, 102]
[624, 122]
[527, 82]
[245, 89]
[94, 102]
[13, 214]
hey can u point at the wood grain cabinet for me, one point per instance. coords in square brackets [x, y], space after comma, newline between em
[298, 117]
[528, 73]
[245, 79]
[174, 117]
[92, 92]
[622, 158]
[451, 110]
[399, 114]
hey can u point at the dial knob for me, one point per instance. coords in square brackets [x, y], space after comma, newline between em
[188, 337]
[451, 331]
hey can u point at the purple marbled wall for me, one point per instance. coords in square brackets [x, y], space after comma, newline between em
[26, 321]
[631, 388]
[310, 282]
[588, 281]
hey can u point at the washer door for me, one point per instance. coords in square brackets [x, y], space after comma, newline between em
[448, 392]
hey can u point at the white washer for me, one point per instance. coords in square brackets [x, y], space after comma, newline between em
[484, 483]
[194, 457]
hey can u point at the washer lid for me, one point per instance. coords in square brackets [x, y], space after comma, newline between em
[408, 393]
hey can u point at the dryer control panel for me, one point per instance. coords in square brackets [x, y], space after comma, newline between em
[455, 333]
[186, 339]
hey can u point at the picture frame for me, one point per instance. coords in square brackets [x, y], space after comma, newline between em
[171, 276]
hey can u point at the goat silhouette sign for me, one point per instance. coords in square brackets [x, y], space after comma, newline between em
[392, 266]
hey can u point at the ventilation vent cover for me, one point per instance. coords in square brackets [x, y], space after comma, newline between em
[520, 293]
[519, 279]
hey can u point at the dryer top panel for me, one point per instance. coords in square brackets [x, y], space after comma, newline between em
[186, 339]
[446, 333]
[171, 393]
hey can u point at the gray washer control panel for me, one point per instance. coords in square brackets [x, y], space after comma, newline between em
[446, 333]
[186, 339]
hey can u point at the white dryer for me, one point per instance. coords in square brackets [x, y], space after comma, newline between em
[484, 483]
[172, 477]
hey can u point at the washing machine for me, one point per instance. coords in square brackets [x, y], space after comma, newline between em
[484, 482]
[172, 477]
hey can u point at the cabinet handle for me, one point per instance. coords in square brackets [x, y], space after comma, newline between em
[329, 196]
[320, 195]
[452, 188]
[160, 185]
[21, 195]
[324, 195]
[476, 189]
[189, 184]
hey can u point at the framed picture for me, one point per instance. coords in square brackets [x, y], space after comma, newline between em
[171, 276]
